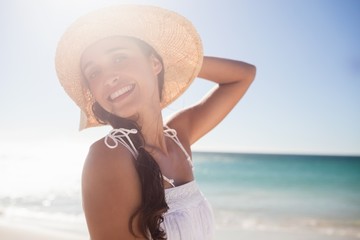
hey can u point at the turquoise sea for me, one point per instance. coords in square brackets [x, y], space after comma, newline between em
[319, 194]
[248, 192]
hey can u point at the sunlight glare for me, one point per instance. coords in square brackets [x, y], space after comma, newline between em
[40, 168]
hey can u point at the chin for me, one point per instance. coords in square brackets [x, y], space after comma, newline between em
[131, 115]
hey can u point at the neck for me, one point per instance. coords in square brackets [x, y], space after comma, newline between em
[151, 124]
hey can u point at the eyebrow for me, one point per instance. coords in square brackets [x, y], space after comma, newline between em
[114, 49]
[88, 64]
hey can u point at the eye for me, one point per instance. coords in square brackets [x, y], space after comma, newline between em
[93, 74]
[119, 58]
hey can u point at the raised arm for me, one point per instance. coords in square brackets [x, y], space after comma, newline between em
[111, 193]
[233, 78]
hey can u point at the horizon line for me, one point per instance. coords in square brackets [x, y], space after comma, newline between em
[279, 153]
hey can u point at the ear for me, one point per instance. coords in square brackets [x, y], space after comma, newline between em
[156, 64]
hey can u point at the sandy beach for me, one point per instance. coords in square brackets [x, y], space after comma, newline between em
[11, 232]
[21, 232]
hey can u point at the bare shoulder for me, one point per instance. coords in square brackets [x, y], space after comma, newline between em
[111, 191]
[117, 162]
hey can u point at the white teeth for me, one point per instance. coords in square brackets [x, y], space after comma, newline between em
[121, 91]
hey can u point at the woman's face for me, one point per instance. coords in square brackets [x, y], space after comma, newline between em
[120, 76]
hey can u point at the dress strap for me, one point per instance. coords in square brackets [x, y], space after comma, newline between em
[121, 135]
[169, 132]
[170, 181]
[117, 136]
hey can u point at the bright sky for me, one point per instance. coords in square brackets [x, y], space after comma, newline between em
[305, 98]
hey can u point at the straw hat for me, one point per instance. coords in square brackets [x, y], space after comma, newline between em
[170, 34]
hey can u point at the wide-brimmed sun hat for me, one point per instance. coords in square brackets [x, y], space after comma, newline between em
[170, 34]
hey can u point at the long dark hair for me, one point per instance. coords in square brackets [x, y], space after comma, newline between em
[153, 204]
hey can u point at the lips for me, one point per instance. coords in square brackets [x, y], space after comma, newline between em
[121, 92]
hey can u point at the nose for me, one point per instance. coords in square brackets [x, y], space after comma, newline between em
[112, 80]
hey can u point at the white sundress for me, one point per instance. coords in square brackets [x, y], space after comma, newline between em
[190, 215]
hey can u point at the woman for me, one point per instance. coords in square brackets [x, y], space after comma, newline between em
[122, 65]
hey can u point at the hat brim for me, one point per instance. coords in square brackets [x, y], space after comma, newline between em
[170, 34]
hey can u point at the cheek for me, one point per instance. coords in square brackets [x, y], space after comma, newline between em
[149, 88]
[96, 91]
[93, 88]
[146, 78]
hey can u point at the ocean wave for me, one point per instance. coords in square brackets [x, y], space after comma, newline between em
[256, 222]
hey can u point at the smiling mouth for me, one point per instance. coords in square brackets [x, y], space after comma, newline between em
[122, 91]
